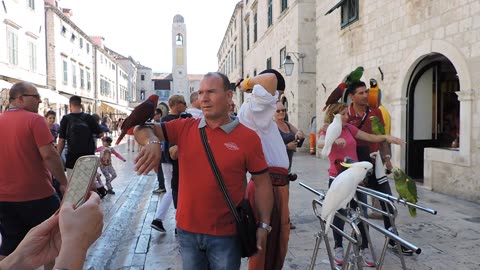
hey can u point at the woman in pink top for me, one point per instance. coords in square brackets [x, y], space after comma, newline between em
[346, 146]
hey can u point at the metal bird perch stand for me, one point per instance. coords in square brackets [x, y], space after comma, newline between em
[353, 219]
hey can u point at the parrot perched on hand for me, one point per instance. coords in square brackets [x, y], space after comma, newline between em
[377, 127]
[335, 95]
[333, 132]
[139, 115]
[406, 188]
[354, 76]
[374, 94]
[343, 189]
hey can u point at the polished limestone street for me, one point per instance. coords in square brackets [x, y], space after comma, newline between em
[449, 240]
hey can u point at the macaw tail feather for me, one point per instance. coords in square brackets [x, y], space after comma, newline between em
[413, 211]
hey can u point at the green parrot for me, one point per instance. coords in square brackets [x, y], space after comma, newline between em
[377, 127]
[354, 76]
[406, 188]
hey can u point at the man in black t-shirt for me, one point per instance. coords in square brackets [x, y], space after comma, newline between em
[79, 130]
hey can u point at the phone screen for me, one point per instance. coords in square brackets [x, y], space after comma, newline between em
[81, 179]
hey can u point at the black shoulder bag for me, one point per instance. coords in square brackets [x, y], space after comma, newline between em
[243, 213]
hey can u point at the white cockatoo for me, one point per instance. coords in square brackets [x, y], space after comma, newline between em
[379, 169]
[333, 132]
[343, 189]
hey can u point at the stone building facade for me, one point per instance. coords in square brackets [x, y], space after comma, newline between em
[230, 54]
[70, 58]
[144, 83]
[426, 57]
[22, 43]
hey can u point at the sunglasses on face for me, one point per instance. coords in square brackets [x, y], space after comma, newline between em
[282, 110]
[37, 96]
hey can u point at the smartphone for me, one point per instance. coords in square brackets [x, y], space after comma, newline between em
[81, 180]
[300, 142]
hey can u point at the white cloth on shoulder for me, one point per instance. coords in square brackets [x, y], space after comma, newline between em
[257, 114]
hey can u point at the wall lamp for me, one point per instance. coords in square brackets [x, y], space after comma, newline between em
[288, 62]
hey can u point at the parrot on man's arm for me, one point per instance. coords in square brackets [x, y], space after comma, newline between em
[139, 115]
[377, 127]
[406, 188]
[333, 132]
[343, 189]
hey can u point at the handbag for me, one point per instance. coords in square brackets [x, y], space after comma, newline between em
[243, 212]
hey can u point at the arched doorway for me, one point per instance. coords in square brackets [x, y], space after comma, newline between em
[433, 110]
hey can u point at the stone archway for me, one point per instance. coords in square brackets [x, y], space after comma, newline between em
[465, 96]
[432, 111]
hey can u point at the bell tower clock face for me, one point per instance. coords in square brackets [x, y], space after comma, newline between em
[180, 72]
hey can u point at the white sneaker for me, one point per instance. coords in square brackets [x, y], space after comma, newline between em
[367, 258]
[338, 256]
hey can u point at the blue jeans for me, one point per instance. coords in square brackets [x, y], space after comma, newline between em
[209, 252]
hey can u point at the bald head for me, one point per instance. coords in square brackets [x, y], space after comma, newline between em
[24, 95]
[20, 88]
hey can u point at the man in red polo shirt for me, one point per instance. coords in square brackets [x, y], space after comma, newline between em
[206, 227]
[359, 114]
[27, 196]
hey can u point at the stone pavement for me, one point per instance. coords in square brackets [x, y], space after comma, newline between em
[449, 240]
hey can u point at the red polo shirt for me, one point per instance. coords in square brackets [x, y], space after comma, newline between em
[237, 149]
[355, 119]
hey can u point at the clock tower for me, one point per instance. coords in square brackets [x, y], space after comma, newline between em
[179, 52]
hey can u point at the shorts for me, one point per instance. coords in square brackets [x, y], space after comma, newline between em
[17, 218]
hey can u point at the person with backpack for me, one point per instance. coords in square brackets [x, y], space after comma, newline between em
[79, 131]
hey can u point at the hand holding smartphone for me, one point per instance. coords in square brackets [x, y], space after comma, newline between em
[81, 180]
[300, 142]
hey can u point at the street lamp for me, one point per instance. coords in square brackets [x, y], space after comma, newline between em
[288, 62]
[288, 65]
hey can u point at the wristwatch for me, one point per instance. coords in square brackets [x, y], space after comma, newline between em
[265, 226]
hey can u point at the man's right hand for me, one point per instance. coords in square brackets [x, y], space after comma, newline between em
[148, 158]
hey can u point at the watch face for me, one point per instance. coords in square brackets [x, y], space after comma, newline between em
[180, 72]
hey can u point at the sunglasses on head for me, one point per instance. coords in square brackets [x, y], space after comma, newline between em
[282, 110]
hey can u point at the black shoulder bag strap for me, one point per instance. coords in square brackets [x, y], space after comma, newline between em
[364, 118]
[218, 176]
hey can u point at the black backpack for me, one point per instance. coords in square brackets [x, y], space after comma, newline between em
[79, 135]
